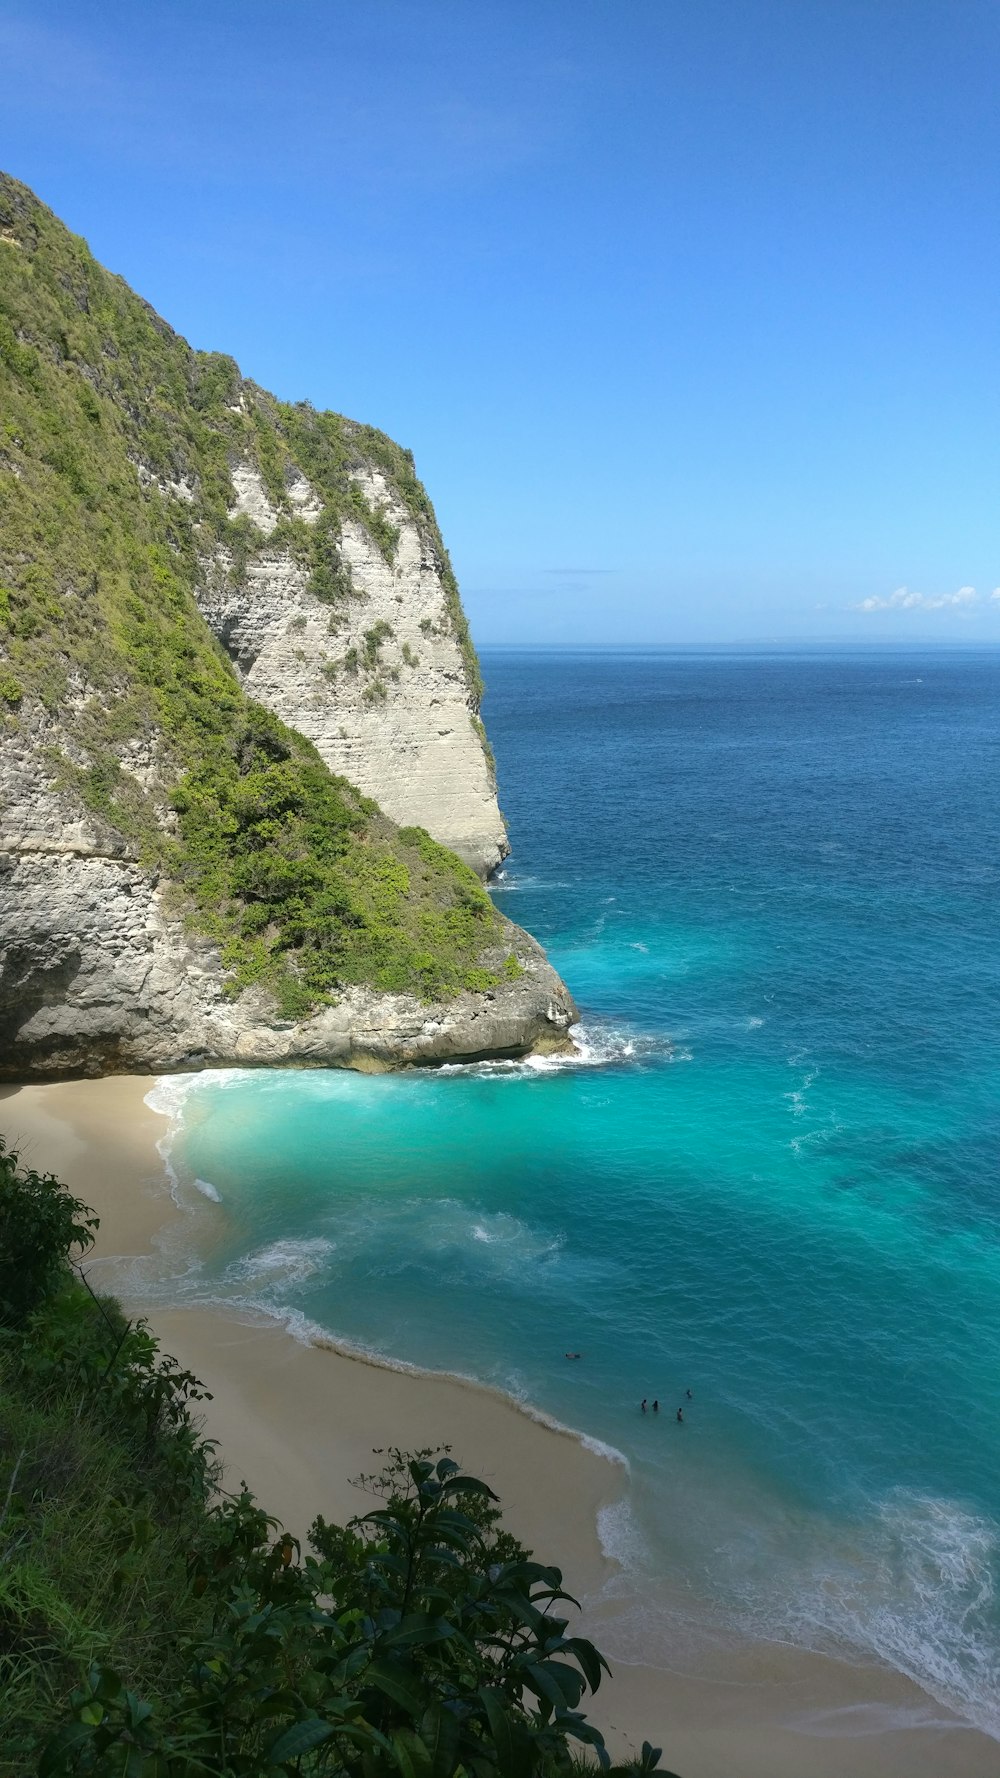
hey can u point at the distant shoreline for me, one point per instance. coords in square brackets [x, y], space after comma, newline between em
[298, 1420]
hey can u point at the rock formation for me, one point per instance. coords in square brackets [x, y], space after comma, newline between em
[228, 631]
[386, 695]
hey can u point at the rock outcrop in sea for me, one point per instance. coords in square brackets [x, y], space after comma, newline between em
[246, 797]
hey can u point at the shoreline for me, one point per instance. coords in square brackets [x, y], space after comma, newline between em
[298, 1420]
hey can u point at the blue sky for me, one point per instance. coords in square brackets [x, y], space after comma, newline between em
[687, 308]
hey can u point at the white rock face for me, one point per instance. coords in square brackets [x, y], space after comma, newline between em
[399, 719]
[303, 499]
[177, 490]
[252, 497]
[37, 814]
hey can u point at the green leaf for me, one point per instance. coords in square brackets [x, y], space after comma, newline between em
[440, 1731]
[390, 1564]
[351, 1665]
[108, 1686]
[56, 1754]
[417, 1629]
[589, 1659]
[520, 1608]
[278, 1704]
[560, 1684]
[397, 1683]
[570, 1722]
[467, 1484]
[454, 1538]
[300, 1738]
[369, 1740]
[138, 1710]
[649, 1761]
[412, 1757]
[502, 1732]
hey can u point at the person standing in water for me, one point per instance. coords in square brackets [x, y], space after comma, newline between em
[680, 1416]
[656, 1407]
[642, 1405]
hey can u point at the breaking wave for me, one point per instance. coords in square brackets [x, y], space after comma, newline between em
[913, 1587]
[594, 1046]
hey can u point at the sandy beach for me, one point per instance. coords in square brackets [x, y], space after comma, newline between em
[297, 1422]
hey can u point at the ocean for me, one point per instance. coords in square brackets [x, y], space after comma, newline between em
[770, 1177]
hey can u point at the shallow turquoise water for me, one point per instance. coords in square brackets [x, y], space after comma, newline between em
[772, 884]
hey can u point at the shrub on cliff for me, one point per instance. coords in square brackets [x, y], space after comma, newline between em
[40, 1225]
[104, 1481]
[420, 1642]
[396, 1646]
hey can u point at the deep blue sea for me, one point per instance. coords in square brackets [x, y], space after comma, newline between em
[771, 881]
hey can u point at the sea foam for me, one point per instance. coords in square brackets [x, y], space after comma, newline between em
[594, 1046]
[912, 1586]
[170, 1096]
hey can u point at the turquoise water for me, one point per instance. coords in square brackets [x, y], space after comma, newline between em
[771, 882]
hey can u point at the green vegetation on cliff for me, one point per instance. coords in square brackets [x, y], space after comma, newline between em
[116, 447]
[153, 1628]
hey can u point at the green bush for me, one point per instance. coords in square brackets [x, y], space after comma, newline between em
[373, 640]
[409, 1642]
[104, 1481]
[40, 1226]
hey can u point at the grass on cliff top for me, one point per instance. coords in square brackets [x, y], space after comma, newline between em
[287, 866]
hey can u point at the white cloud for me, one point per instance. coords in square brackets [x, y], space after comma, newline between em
[905, 600]
[995, 594]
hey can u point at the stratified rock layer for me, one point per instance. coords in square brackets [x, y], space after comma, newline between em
[395, 715]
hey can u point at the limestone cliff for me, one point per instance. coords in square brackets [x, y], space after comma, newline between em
[239, 715]
[385, 691]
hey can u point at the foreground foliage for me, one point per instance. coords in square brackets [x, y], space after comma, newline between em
[116, 443]
[153, 1628]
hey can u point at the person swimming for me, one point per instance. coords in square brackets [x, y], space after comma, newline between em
[689, 1395]
[574, 1354]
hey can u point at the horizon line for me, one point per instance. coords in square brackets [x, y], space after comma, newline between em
[828, 644]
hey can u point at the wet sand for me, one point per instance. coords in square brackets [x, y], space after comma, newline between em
[297, 1422]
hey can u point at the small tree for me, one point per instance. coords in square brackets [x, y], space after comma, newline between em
[40, 1225]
